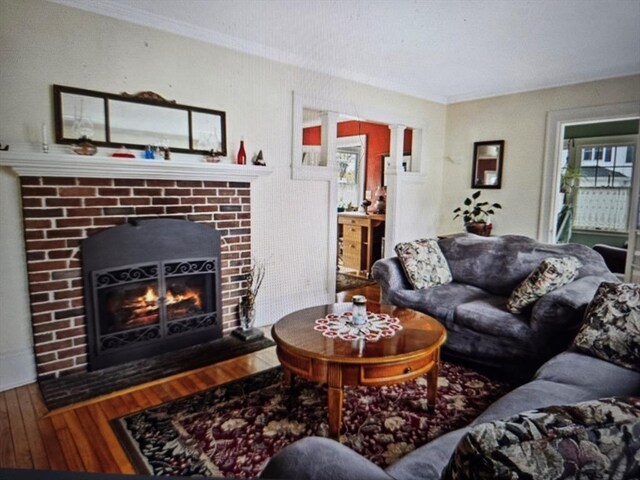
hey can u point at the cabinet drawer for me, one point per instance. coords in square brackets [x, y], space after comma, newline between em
[395, 372]
[352, 255]
[352, 233]
[344, 220]
[351, 248]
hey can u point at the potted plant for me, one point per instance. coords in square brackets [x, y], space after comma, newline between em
[476, 214]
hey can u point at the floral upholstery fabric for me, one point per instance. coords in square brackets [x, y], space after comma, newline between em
[611, 328]
[591, 440]
[423, 263]
[551, 274]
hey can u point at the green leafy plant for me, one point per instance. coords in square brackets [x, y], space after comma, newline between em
[474, 210]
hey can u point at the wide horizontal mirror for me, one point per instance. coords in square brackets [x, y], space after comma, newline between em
[136, 121]
[487, 164]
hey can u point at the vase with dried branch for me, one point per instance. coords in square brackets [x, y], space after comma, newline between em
[247, 310]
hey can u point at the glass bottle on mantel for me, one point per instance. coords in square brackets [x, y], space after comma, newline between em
[242, 155]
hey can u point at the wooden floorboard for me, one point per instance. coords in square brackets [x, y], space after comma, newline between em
[80, 438]
[7, 452]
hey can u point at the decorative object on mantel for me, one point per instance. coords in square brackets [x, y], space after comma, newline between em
[476, 214]
[212, 157]
[45, 143]
[247, 310]
[84, 147]
[123, 152]
[138, 120]
[147, 95]
[242, 154]
[259, 160]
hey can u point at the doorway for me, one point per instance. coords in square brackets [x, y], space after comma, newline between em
[594, 177]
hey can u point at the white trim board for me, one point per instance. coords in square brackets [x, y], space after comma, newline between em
[17, 368]
[556, 122]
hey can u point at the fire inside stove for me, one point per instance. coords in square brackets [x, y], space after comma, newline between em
[139, 304]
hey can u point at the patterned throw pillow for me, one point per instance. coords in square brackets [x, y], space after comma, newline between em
[423, 263]
[589, 440]
[552, 273]
[611, 328]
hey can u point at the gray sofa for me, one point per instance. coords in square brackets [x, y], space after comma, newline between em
[567, 378]
[485, 271]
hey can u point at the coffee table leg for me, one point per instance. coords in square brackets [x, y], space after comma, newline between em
[287, 378]
[336, 396]
[432, 384]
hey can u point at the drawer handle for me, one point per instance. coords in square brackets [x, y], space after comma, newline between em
[407, 370]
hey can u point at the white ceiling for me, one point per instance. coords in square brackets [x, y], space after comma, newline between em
[446, 51]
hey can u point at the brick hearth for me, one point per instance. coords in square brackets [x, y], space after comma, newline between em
[59, 212]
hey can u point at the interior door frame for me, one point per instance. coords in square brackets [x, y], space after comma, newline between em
[557, 120]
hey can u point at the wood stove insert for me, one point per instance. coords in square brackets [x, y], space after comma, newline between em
[151, 286]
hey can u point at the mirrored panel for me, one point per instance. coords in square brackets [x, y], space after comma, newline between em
[488, 160]
[141, 124]
[135, 121]
[83, 116]
[312, 138]
[207, 131]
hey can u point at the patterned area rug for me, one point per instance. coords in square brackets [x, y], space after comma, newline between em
[232, 430]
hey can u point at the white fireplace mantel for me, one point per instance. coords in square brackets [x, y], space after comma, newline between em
[71, 165]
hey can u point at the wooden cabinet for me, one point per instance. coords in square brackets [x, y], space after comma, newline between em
[361, 237]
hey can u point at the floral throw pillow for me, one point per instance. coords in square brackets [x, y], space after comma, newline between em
[552, 273]
[611, 328]
[423, 263]
[590, 440]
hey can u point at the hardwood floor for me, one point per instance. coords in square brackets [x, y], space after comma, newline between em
[79, 437]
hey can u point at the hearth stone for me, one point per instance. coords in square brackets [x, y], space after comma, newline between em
[77, 387]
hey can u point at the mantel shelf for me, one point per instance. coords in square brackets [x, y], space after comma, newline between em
[27, 164]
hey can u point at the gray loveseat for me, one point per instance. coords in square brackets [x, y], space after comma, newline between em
[567, 378]
[485, 271]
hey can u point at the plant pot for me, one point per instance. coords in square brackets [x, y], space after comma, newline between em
[479, 228]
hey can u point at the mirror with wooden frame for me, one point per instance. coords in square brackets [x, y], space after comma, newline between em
[488, 159]
[136, 121]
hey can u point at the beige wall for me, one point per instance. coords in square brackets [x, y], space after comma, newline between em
[520, 120]
[43, 43]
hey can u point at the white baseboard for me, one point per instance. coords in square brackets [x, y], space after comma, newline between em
[17, 368]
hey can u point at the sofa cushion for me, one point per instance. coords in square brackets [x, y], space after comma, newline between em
[440, 301]
[488, 315]
[552, 273]
[499, 264]
[423, 263]
[599, 377]
[594, 439]
[428, 461]
[611, 328]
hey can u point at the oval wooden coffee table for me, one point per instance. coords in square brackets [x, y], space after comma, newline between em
[411, 352]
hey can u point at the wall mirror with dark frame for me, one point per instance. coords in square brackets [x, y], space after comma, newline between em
[488, 162]
[135, 121]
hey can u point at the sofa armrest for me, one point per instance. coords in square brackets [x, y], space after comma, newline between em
[317, 458]
[388, 273]
[557, 316]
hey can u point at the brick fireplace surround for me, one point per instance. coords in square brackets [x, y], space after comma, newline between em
[60, 211]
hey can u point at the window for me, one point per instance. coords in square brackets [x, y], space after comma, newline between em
[603, 194]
